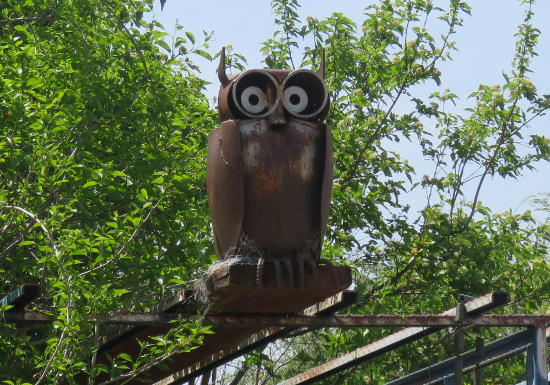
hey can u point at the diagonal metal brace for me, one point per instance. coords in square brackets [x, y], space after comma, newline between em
[22, 296]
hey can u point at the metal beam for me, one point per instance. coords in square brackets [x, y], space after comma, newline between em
[492, 352]
[309, 321]
[375, 320]
[330, 305]
[21, 296]
[393, 341]
[25, 317]
[258, 340]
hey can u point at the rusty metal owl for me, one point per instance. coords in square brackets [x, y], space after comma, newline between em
[270, 165]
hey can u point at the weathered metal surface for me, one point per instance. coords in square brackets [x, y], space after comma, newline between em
[459, 362]
[537, 361]
[283, 171]
[214, 346]
[182, 302]
[479, 356]
[377, 320]
[270, 166]
[232, 287]
[492, 352]
[333, 304]
[25, 317]
[393, 341]
[211, 343]
[272, 184]
[240, 321]
[21, 296]
[330, 305]
[227, 108]
[237, 294]
[225, 186]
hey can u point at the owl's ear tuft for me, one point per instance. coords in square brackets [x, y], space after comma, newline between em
[221, 69]
[322, 64]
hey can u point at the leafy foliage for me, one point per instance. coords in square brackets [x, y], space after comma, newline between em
[102, 193]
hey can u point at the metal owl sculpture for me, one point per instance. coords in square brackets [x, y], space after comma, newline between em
[270, 166]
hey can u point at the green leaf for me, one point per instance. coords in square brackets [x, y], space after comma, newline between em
[190, 36]
[21, 28]
[164, 45]
[89, 184]
[202, 53]
[125, 357]
[119, 292]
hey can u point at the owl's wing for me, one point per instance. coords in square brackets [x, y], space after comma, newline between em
[224, 182]
[328, 174]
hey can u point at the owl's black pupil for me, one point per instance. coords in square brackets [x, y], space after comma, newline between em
[294, 99]
[253, 99]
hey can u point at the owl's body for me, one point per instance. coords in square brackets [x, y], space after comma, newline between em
[282, 186]
[269, 172]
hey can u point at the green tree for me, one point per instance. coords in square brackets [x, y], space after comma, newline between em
[102, 195]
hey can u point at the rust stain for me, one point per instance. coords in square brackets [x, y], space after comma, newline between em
[267, 182]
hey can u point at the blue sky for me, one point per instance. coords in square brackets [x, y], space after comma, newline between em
[485, 43]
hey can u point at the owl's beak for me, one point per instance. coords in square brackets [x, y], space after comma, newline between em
[277, 117]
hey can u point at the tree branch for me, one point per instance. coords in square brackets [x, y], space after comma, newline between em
[39, 223]
[123, 247]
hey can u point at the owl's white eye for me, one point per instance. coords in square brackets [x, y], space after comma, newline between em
[254, 95]
[305, 95]
[253, 100]
[295, 99]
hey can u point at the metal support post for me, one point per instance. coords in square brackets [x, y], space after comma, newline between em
[530, 369]
[459, 344]
[537, 367]
[480, 347]
[459, 363]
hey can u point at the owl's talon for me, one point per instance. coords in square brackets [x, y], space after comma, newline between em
[307, 264]
[260, 272]
[290, 272]
[301, 272]
[278, 277]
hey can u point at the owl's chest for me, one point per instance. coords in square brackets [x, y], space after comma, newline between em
[283, 169]
[274, 157]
